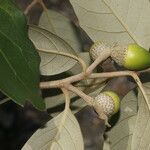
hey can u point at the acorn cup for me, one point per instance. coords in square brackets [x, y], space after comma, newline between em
[109, 101]
[132, 57]
[97, 48]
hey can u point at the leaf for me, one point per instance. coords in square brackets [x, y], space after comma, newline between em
[77, 68]
[70, 137]
[120, 135]
[61, 26]
[106, 146]
[51, 64]
[115, 20]
[141, 136]
[19, 61]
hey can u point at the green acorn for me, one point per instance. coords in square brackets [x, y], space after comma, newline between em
[132, 57]
[109, 101]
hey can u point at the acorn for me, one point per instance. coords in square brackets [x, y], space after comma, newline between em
[97, 48]
[132, 56]
[109, 101]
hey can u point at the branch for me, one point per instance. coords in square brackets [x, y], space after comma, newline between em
[81, 76]
[123, 73]
[100, 58]
[75, 90]
[75, 78]
[30, 6]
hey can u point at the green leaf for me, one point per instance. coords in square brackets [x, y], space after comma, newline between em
[52, 62]
[19, 61]
[115, 20]
[61, 26]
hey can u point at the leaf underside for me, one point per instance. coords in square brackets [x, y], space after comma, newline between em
[60, 25]
[141, 135]
[69, 138]
[115, 20]
[51, 64]
[120, 135]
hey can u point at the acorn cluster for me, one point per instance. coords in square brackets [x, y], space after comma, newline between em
[131, 57]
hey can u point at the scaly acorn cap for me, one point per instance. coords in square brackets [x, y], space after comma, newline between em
[132, 56]
[109, 102]
[97, 48]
